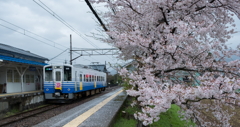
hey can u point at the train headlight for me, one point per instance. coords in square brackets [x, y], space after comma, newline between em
[68, 89]
[47, 89]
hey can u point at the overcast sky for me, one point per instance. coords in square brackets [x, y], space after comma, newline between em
[31, 17]
[28, 15]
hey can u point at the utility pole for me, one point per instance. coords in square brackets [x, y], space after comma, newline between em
[70, 49]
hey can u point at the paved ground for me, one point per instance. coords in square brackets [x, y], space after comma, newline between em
[101, 118]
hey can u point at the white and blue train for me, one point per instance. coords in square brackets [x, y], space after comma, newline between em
[68, 82]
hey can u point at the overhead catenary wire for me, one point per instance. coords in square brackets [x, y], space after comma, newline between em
[30, 36]
[27, 31]
[59, 54]
[98, 18]
[46, 8]
[25, 34]
[32, 33]
[50, 11]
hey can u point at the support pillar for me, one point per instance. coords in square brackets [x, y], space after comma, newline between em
[21, 73]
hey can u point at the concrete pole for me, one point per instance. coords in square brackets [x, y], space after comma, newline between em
[70, 49]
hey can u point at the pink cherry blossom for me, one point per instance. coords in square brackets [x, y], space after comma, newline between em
[180, 51]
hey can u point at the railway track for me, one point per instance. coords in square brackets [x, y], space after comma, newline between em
[26, 114]
[35, 116]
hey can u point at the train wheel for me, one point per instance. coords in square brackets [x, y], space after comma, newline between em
[103, 89]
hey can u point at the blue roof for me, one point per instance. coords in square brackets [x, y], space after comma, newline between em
[15, 51]
[21, 60]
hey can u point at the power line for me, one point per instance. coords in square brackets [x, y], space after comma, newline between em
[65, 23]
[59, 54]
[51, 12]
[98, 18]
[46, 8]
[29, 36]
[24, 33]
[31, 33]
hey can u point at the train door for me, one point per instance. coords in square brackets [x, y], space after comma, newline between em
[95, 82]
[80, 82]
[58, 78]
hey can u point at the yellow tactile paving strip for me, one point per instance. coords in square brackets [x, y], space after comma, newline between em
[77, 121]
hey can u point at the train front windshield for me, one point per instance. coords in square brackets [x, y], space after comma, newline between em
[48, 74]
[67, 73]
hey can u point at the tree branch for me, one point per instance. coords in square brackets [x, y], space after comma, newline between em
[164, 16]
[96, 15]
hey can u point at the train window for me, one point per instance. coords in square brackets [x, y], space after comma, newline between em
[80, 77]
[84, 77]
[58, 75]
[48, 74]
[95, 78]
[67, 73]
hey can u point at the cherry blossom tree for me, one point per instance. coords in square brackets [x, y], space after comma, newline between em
[181, 54]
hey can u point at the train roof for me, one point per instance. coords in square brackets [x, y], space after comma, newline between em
[85, 67]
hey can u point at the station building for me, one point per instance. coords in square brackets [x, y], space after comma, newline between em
[20, 70]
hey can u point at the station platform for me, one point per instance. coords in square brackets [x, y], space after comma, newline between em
[20, 94]
[99, 112]
[20, 101]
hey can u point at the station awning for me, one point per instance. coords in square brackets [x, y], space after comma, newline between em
[8, 58]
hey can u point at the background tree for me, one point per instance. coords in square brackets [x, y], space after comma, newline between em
[169, 39]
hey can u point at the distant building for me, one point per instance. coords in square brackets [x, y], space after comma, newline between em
[99, 67]
[20, 70]
[131, 66]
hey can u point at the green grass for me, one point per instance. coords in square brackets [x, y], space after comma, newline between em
[12, 112]
[123, 122]
[171, 118]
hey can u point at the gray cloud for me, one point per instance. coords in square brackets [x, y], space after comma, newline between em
[31, 17]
